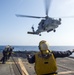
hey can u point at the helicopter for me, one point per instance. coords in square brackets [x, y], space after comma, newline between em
[47, 23]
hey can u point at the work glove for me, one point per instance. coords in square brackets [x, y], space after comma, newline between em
[72, 50]
[28, 56]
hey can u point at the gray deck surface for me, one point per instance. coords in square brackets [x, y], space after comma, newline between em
[65, 65]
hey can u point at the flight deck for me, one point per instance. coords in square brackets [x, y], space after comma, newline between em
[18, 65]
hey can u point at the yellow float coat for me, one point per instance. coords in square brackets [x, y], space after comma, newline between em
[45, 66]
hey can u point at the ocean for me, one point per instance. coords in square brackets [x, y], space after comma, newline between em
[35, 48]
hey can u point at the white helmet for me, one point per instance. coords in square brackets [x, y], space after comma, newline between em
[43, 45]
[7, 46]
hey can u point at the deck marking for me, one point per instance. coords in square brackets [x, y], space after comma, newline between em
[24, 71]
[11, 62]
[63, 67]
[71, 58]
[66, 72]
[11, 69]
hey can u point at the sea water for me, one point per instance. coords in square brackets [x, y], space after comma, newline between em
[35, 48]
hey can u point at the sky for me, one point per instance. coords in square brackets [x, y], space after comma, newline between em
[13, 30]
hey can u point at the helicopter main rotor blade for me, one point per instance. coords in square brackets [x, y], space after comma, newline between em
[28, 16]
[65, 17]
[47, 5]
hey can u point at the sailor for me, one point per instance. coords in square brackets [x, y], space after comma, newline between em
[45, 59]
[5, 54]
[10, 51]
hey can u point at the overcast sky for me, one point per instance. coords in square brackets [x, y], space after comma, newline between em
[13, 30]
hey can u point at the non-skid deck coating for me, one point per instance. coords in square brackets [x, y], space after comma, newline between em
[22, 67]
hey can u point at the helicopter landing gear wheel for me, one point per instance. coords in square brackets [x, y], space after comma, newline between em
[54, 30]
[39, 34]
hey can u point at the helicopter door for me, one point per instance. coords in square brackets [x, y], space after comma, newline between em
[48, 22]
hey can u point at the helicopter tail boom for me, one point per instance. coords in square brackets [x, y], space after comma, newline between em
[34, 33]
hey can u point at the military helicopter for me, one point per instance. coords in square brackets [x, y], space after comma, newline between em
[46, 24]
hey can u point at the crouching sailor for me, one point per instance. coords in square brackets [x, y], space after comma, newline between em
[45, 60]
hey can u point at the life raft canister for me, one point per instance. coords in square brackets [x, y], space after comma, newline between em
[45, 66]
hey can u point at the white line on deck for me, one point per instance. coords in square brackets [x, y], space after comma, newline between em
[24, 71]
[66, 72]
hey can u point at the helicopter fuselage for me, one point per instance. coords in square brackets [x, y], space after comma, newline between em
[48, 25]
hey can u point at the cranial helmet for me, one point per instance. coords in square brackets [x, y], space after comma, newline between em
[43, 45]
[7, 46]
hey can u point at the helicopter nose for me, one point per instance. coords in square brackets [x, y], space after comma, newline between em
[59, 19]
[58, 22]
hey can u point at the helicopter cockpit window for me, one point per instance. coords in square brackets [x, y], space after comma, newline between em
[42, 22]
